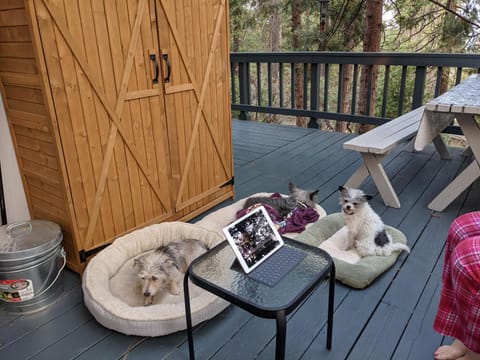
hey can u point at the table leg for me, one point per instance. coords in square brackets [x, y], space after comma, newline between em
[467, 176]
[472, 133]
[442, 148]
[331, 302]
[373, 162]
[372, 165]
[188, 316]
[456, 187]
[358, 177]
[281, 335]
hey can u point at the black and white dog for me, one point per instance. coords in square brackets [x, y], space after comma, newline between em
[366, 231]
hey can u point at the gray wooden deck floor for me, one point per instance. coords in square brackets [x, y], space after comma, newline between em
[391, 319]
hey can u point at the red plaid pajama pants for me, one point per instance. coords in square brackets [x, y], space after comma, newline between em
[458, 314]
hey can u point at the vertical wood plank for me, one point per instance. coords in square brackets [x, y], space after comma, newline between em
[116, 38]
[52, 58]
[87, 121]
[111, 201]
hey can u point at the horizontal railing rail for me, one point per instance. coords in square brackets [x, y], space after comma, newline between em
[330, 83]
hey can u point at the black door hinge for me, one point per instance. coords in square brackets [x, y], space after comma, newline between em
[84, 255]
[229, 182]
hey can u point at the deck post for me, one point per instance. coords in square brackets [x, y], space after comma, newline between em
[244, 87]
[313, 94]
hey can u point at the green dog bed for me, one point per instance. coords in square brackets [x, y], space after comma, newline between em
[351, 269]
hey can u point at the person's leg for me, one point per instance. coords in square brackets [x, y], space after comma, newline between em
[461, 228]
[470, 355]
[464, 226]
[459, 311]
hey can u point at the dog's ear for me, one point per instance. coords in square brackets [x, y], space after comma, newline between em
[343, 189]
[291, 187]
[313, 194]
[138, 262]
[169, 263]
[368, 197]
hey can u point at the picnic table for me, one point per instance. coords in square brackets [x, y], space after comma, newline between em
[461, 103]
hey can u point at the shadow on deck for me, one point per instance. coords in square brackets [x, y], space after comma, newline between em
[391, 319]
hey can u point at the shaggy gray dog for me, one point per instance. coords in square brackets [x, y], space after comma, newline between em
[165, 267]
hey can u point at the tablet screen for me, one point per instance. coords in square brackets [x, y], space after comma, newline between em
[253, 238]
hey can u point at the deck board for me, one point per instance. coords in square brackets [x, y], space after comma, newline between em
[418, 337]
[379, 322]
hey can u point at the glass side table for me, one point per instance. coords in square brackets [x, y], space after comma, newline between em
[232, 284]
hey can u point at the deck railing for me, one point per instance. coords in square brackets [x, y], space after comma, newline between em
[265, 83]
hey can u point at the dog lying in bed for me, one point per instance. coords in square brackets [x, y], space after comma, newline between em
[165, 267]
[296, 197]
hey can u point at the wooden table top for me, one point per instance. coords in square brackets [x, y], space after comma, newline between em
[463, 98]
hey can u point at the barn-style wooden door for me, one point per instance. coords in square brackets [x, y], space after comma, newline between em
[195, 74]
[102, 60]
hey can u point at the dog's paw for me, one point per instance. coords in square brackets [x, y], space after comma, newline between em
[174, 288]
[148, 301]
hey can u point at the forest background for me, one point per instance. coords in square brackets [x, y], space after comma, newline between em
[412, 26]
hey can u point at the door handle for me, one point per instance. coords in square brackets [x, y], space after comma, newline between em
[169, 68]
[157, 68]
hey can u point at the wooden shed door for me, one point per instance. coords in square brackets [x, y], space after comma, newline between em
[195, 69]
[102, 58]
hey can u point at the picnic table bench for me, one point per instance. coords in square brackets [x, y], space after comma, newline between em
[375, 144]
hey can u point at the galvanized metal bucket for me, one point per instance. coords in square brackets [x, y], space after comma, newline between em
[31, 265]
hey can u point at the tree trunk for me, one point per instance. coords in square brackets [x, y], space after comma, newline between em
[371, 43]
[295, 26]
[274, 30]
[349, 44]
[447, 45]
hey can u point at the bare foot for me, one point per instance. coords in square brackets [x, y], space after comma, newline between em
[470, 355]
[451, 352]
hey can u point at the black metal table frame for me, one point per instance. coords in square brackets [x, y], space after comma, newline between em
[274, 313]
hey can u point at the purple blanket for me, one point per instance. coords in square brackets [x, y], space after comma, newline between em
[295, 221]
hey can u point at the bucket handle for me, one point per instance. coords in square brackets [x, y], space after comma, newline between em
[17, 226]
[64, 255]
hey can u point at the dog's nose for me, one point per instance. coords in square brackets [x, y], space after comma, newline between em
[348, 207]
[146, 293]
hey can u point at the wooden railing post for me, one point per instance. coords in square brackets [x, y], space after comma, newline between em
[244, 87]
[419, 87]
[314, 84]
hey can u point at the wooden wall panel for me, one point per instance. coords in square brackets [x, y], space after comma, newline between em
[11, 4]
[13, 17]
[16, 50]
[14, 34]
[29, 118]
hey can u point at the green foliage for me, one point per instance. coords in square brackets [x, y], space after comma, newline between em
[423, 25]
[409, 25]
[249, 20]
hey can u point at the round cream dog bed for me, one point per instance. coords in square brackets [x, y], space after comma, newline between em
[113, 297]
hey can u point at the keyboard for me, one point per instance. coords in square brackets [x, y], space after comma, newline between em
[272, 270]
